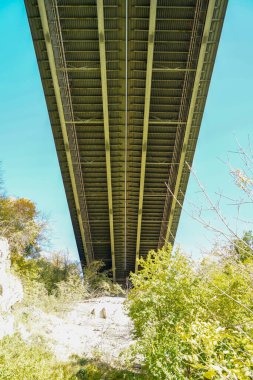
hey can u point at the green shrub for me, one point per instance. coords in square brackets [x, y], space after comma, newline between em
[187, 319]
[57, 292]
[99, 282]
[22, 361]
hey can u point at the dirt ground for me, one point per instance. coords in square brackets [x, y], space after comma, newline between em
[98, 327]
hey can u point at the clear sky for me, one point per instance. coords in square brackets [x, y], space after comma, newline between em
[228, 117]
[27, 149]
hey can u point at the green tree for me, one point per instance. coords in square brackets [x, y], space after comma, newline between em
[21, 225]
[55, 269]
[243, 247]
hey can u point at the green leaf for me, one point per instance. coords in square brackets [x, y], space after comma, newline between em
[209, 374]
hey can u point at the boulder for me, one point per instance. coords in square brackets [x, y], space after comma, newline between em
[102, 313]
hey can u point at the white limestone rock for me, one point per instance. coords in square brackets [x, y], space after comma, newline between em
[102, 313]
[6, 325]
[11, 290]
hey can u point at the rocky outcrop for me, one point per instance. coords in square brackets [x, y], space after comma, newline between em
[11, 290]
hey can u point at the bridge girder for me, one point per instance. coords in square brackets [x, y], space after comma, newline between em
[50, 53]
[101, 32]
[125, 84]
[151, 42]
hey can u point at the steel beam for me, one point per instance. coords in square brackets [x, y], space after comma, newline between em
[197, 81]
[102, 52]
[50, 53]
[151, 40]
[167, 122]
[166, 69]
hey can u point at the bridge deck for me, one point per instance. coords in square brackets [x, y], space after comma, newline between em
[125, 85]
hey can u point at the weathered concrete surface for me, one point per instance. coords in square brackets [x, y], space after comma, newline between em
[11, 290]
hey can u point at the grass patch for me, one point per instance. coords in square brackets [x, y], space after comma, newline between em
[33, 361]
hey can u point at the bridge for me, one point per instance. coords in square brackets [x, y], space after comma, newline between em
[125, 83]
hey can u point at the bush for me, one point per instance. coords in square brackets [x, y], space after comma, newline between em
[98, 281]
[19, 360]
[188, 320]
[52, 285]
[73, 289]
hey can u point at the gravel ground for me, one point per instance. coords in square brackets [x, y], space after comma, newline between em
[97, 327]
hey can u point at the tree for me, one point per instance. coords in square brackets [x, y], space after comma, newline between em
[243, 248]
[21, 225]
[55, 269]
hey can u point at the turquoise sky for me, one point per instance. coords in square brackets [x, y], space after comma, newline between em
[27, 149]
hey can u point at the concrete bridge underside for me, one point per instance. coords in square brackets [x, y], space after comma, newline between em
[125, 84]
